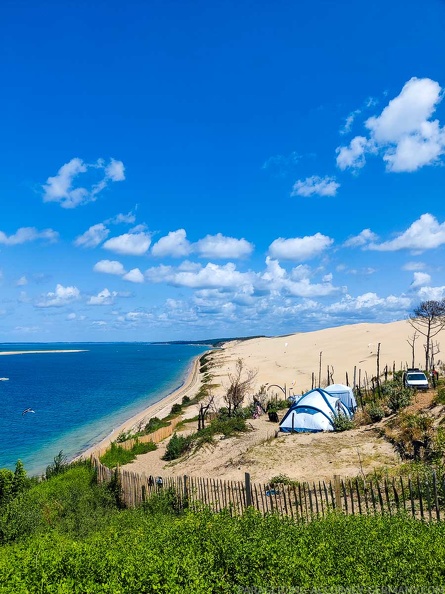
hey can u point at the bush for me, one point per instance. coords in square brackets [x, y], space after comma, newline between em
[283, 479]
[177, 446]
[399, 398]
[154, 424]
[59, 466]
[176, 409]
[440, 396]
[396, 395]
[375, 412]
[185, 400]
[342, 422]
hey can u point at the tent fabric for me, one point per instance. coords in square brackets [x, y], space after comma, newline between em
[345, 393]
[313, 412]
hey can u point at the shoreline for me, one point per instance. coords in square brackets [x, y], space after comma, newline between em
[160, 409]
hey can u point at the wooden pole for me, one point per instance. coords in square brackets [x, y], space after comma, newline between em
[248, 489]
[337, 492]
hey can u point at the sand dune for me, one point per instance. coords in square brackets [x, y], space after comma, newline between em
[290, 361]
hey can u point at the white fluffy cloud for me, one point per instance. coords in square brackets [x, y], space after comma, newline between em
[425, 233]
[322, 186]
[364, 237]
[134, 276]
[420, 279]
[298, 283]
[95, 235]
[218, 246]
[60, 297]
[369, 301]
[26, 234]
[431, 293]
[403, 133]
[175, 244]
[129, 244]
[212, 275]
[60, 188]
[353, 155]
[109, 267]
[300, 248]
[105, 297]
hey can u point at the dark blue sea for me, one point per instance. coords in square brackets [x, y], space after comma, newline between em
[79, 398]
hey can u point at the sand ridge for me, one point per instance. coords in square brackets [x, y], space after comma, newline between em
[289, 362]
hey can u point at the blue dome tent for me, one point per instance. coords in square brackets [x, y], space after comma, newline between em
[346, 395]
[313, 412]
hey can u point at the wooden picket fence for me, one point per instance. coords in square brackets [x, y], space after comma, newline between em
[421, 497]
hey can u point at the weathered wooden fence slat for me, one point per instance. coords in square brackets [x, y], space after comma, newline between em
[422, 497]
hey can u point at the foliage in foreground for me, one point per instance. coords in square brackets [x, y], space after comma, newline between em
[140, 551]
[66, 535]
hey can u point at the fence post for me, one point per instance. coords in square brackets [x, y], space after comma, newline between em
[337, 492]
[186, 493]
[436, 499]
[248, 490]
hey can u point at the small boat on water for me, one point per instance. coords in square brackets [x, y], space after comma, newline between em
[4, 379]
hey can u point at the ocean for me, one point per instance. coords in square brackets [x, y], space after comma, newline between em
[79, 398]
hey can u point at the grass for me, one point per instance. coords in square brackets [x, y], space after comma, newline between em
[117, 455]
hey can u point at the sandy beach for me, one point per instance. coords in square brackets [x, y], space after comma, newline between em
[286, 364]
[160, 409]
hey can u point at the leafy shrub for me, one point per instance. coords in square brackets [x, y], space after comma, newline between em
[124, 436]
[397, 396]
[165, 502]
[440, 396]
[283, 479]
[58, 466]
[154, 424]
[176, 409]
[342, 422]
[185, 400]
[177, 446]
[275, 405]
[375, 412]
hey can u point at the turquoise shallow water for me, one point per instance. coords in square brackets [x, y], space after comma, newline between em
[79, 398]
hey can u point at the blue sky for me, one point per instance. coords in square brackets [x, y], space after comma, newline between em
[185, 170]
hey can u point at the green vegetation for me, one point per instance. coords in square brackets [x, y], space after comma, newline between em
[440, 397]
[154, 424]
[221, 425]
[342, 422]
[283, 479]
[396, 396]
[176, 409]
[68, 535]
[117, 455]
